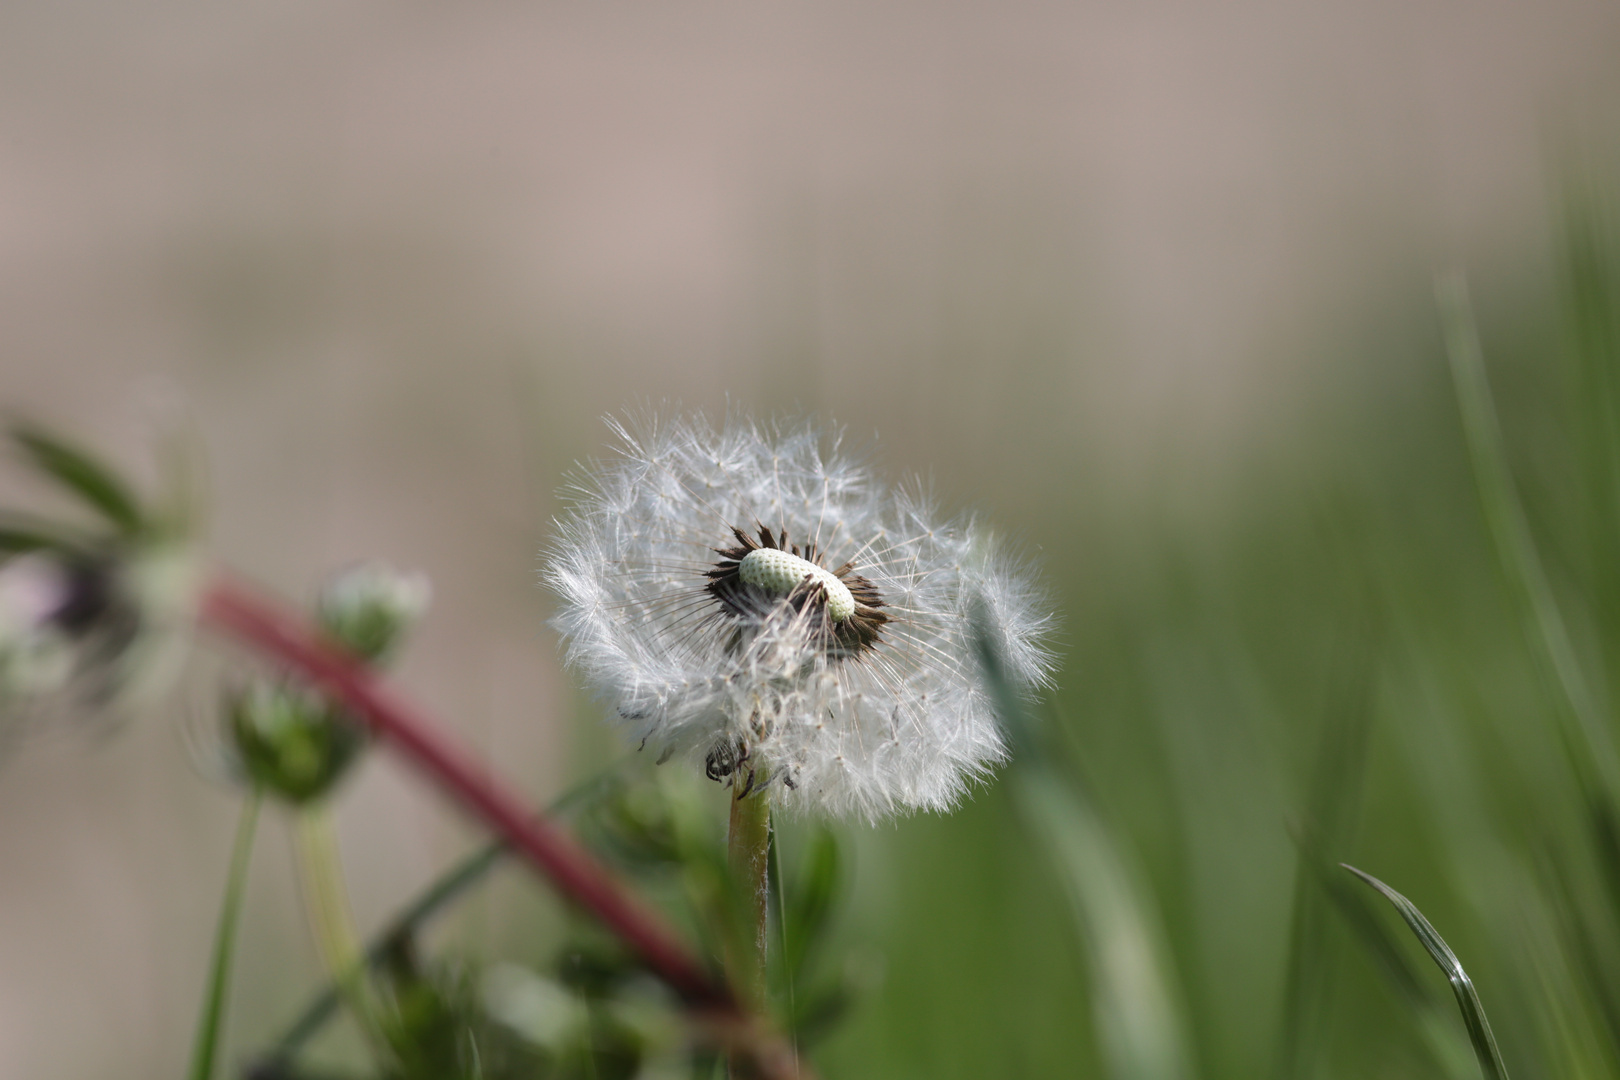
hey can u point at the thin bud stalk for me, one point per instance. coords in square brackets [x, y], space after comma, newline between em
[326, 902]
[206, 1044]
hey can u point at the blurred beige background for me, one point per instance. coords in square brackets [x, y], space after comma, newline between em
[389, 263]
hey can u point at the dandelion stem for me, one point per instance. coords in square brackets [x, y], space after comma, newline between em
[748, 847]
[219, 977]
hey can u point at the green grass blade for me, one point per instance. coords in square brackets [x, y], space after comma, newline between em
[812, 902]
[1473, 1013]
[86, 476]
[211, 1019]
[778, 914]
[1331, 816]
[1588, 741]
[1138, 1016]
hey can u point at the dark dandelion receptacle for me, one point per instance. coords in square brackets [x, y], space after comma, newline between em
[835, 638]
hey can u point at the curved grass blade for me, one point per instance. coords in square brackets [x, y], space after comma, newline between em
[91, 479]
[1449, 1049]
[1473, 1013]
[209, 1022]
[1132, 992]
[1132, 983]
[1331, 816]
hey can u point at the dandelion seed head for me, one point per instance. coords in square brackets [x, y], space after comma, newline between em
[751, 596]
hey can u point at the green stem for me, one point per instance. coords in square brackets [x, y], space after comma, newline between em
[748, 846]
[326, 903]
[748, 850]
[219, 976]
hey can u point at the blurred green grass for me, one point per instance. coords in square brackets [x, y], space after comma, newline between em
[1213, 659]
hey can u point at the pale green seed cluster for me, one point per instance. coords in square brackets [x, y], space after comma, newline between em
[781, 572]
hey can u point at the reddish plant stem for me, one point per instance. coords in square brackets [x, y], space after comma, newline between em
[228, 606]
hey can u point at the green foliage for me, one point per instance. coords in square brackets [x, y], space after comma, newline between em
[587, 1009]
[1338, 658]
[1131, 985]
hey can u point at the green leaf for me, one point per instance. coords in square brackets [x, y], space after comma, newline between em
[86, 476]
[811, 908]
[19, 535]
[1479, 1029]
[1132, 980]
[821, 1010]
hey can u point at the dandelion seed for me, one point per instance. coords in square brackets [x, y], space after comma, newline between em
[752, 597]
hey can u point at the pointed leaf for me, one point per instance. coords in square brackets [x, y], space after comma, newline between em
[18, 537]
[1479, 1029]
[91, 479]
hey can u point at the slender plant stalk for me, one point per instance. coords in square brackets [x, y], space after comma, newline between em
[233, 609]
[326, 899]
[211, 1019]
[748, 848]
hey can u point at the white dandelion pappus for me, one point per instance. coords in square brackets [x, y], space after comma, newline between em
[753, 596]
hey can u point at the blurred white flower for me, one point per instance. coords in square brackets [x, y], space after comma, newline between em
[753, 596]
[369, 606]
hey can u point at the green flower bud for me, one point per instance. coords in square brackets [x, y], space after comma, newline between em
[290, 740]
